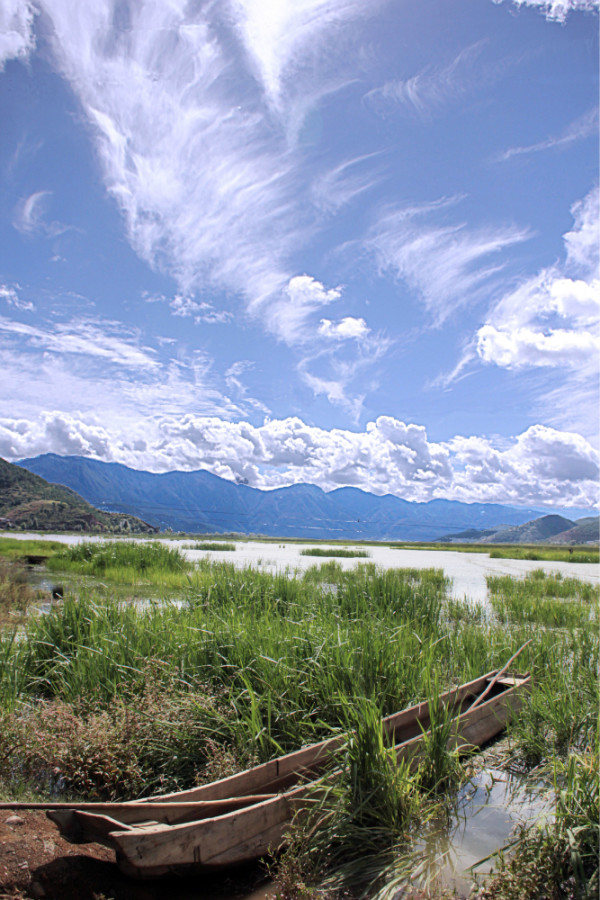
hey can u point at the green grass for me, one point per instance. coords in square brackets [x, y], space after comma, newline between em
[432, 545]
[210, 545]
[334, 551]
[548, 554]
[12, 548]
[550, 600]
[123, 700]
[127, 563]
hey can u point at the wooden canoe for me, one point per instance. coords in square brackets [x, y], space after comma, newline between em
[245, 816]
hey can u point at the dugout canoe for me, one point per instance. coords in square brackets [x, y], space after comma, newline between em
[245, 816]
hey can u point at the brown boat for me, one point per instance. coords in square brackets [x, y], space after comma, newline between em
[245, 816]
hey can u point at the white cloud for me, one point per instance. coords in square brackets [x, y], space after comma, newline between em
[30, 216]
[201, 311]
[551, 319]
[17, 39]
[346, 328]
[202, 176]
[449, 266]
[279, 35]
[290, 315]
[557, 10]
[585, 126]
[433, 87]
[92, 339]
[30, 212]
[542, 466]
[583, 241]
[525, 347]
[11, 297]
[326, 365]
[340, 185]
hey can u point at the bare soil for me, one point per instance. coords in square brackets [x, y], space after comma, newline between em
[36, 862]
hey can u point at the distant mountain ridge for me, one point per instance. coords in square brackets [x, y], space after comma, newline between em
[28, 501]
[202, 502]
[543, 530]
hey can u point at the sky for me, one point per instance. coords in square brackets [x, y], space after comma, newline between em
[323, 241]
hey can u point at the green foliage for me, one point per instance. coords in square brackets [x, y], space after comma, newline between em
[13, 548]
[545, 599]
[334, 551]
[354, 832]
[15, 593]
[210, 545]
[159, 737]
[124, 559]
[546, 554]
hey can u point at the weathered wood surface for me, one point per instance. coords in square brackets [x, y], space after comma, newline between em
[234, 823]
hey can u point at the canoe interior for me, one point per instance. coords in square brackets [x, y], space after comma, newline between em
[239, 827]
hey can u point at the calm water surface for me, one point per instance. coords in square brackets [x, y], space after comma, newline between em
[467, 571]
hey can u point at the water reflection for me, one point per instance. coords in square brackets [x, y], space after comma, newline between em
[488, 810]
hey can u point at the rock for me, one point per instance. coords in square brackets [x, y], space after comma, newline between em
[14, 820]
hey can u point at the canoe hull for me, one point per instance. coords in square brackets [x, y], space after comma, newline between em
[146, 849]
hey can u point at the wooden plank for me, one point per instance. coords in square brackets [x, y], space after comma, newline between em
[69, 819]
[281, 773]
[97, 828]
[198, 842]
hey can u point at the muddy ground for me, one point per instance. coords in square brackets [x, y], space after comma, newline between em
[36, 862]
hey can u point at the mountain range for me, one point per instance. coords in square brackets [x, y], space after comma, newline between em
[28, 502]
[201, 502]
[550, 529]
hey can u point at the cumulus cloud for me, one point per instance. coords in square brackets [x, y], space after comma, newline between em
[448, 265]
[17, 39]
[346, 328]
[557, 10]
[552, 319]
[290, 315]
[542, 466]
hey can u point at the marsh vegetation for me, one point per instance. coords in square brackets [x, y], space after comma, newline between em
[107, 699]
[342, 552]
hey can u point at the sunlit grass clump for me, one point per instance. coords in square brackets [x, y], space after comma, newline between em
[210, 545]
[550, 600]
[342, 552]
[124, 562]
[548, 554]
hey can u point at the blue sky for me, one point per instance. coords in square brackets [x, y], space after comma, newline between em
[305, 240]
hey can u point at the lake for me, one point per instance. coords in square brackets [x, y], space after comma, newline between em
[467, 571]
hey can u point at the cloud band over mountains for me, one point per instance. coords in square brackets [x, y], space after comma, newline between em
[542, 466]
